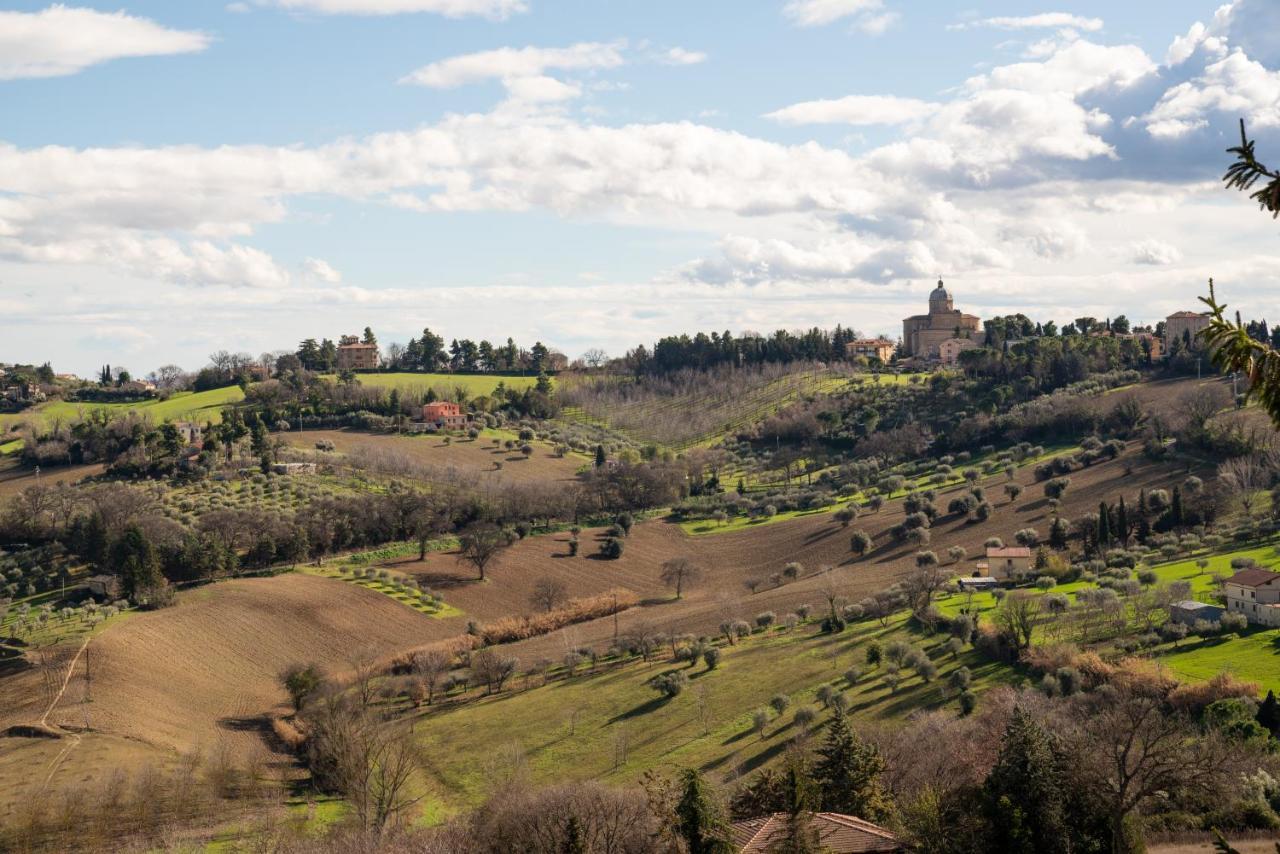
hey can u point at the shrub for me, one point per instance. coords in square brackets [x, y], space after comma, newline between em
[766, 619]
[804, 717]
[669, 684]
[759, 721]
[711, 657]
[581, 610]
[1056, 487]
[1233, 622]
[968, 702]
[611, 548]
[854, 674]
[1046, 582]
[860, 542]
[779, 703]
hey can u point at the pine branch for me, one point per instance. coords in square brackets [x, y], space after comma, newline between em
[1247, 171]
[1232, 349]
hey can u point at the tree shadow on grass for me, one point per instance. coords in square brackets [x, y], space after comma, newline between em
[639, 711]
[763, 758]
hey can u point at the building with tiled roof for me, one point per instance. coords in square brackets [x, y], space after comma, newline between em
[836, 833]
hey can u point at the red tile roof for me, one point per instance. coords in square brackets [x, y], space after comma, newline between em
[838, 834]
[1010, 551]
[1254, 576]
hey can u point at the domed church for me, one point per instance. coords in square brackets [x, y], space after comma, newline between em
[923, 335]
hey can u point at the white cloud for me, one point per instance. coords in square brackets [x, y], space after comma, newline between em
[493, 9]
[1040, 21]
[870, 16]
[1155, 253]
[321, 271]
[1235, 85]
[681, 56]
[855, 110]
[1073, 69]
[509, 63]
[62, 40]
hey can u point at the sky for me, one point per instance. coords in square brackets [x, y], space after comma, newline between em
[180, 178]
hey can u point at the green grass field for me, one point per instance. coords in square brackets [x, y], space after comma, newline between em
[613, 727]
[1253, 655]
[198, 406]
[475, 384]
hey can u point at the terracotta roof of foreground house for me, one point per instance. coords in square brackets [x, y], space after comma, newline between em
[839, 834]
[1254, 576]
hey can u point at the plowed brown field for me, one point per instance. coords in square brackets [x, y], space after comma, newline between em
[206, 670]
[473, 458]
[730, 559]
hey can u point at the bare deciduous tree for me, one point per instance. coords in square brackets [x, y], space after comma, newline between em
[481, 543]
[1244, 477]
[548, 593]
[680, 572]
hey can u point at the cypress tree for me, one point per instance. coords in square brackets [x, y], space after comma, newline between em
[848, 772]
[1175, 508]
[698, 820]
[1104, 525]
[600, 456]
[573, 841]
[1022, 796]
[1122, 522]
[801, 837]
[1269, 711]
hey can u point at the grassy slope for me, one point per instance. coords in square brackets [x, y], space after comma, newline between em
[1253, 655]
[749, 408]
[992, 482]
[475, 384]
[198, 406]
[465, 741]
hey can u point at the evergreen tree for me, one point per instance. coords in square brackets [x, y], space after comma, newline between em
[801, 837]
[1175, 508]
[847, 773]
[544, 384]
[1269, 711]
[1104, 525]
[573, 841]
[133, 558]
[1122, 522]
[1022, 796]
[1059, 530]
[600, 456]
[698, 819]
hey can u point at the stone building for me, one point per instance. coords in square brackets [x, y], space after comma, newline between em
[922, 335]
[355, 355]
[870, 348]
[1184, 326]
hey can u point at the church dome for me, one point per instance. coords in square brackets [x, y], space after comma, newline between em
[940, 299]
